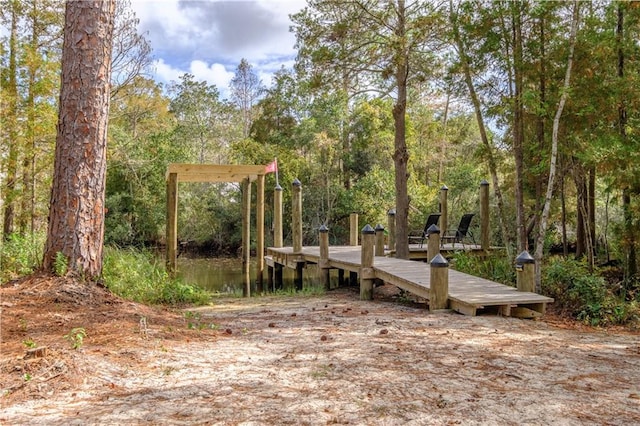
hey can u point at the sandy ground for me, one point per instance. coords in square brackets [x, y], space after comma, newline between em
[329, 359]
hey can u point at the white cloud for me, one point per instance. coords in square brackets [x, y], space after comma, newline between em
[209, 38]
[214, 74]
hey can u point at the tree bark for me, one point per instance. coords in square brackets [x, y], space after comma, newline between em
[12, 126]
[401, 153]
[518, 123]
[475, 100]
[76, 215]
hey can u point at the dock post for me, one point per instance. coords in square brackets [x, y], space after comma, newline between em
[367, 275]
[260, 234]
[433, 242]
[525, 272]
[323, 264]
[277, 216]
[485, 243]
[391, 226]
[353, 229]
[379, 240]
[296, 220]
[439, 283]
[444, 209]
[277, 276]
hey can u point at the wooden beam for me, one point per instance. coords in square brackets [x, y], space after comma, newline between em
[260, 231]
[246, 237]
[172, 222]
[215, 172]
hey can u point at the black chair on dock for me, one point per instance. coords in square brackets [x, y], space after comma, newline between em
[461, 233]
[431, 220]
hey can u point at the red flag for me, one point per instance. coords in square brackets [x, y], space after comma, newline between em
[272, 167]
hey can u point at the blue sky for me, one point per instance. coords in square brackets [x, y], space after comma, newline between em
[208, 38]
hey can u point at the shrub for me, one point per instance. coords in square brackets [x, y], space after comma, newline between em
[20, 255]
[583, 294]
[137, 275]
[495, 266]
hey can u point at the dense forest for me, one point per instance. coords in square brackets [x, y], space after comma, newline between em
[387, 102]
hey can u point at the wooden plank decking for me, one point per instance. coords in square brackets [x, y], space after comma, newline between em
[467, 294]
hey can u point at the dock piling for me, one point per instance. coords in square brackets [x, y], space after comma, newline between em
[367, 274]
[439, 283]
[379, 240]
[433, 242]
[391, 226]
[323, 263]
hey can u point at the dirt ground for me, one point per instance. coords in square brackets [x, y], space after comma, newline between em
[330, 359]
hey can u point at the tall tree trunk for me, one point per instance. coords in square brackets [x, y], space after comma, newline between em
[518, 123]
[401, 153]
[76, 216]
[581, 209]
[542, 230]
[12, 126]
[475, 100]
[629, 239]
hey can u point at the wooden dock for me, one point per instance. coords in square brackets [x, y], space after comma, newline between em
[467, 294]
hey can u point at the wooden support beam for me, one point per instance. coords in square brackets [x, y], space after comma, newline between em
[367, 274]
[379, 240]
[525, 272]
[438, 283]
[277, 216]
[172, 222]
[485, 242]
[353, 229]
[296, 220]
[246, 237]
[323, 263]
[260, 233]
[444, 209]
[391, 226]
[433, 242]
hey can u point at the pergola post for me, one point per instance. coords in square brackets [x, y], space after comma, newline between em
[246, 237]
[172, 222]
[277, 216]
[260, 233]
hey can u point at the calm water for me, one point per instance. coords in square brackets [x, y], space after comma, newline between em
[224, 275]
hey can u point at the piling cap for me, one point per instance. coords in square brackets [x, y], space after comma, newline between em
[439, 261]
[368, 229]
[278, 187]
[296, 182]
[444, 188]
[323, 228]
[484, 182]
[379, 227]
[391, 212]
[433, 229]
[525, 257]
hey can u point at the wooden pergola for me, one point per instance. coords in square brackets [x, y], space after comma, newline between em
[245, 174]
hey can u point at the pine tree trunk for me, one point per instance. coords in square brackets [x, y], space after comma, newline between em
[401, 153]
[76, 215]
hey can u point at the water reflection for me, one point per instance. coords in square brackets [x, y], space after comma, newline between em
[224, 275]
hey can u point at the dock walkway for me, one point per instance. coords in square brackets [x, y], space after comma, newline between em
[468, 294]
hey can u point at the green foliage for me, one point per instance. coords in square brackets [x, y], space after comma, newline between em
[584, 295]
[20, 255]
[60, 264]
[76, 337]
[495, 266]
[137, 275]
